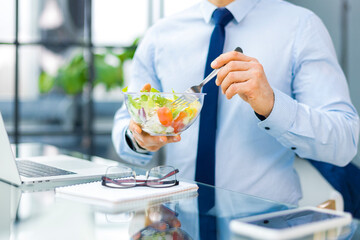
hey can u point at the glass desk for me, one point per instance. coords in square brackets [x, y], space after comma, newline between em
[42, 215]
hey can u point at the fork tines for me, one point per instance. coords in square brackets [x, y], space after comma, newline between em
[183, 100]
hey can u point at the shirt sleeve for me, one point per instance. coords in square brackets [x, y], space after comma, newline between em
[143, 71]
[318, 121]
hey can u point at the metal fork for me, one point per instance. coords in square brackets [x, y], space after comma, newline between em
[187, 98]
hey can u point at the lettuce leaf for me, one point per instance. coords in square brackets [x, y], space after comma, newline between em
[134, 102]
[154, 90]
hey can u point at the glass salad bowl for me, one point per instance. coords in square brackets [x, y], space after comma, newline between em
[156, 114]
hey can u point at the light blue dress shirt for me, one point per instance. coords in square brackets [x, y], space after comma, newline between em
[312, 117]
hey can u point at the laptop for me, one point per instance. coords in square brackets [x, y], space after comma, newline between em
[58, 169]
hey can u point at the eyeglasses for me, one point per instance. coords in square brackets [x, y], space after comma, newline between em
[125, 177]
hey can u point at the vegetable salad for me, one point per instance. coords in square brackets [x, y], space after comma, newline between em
[154, 112]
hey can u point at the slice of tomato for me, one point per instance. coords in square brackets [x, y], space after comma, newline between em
[178, 126]
[165, 116]
[181, 116]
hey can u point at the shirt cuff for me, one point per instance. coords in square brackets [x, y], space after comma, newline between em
[282, 116]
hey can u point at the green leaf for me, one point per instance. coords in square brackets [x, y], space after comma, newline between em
[135, 43]
[134, 103]
[129, 52]
[154, 90]
[175, 96]
[46, 82]
[125, 89]
[73, 77]
[159, 100]
[144, 98]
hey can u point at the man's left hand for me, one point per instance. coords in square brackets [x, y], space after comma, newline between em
[244, 76]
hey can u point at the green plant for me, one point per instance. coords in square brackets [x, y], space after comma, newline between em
[72, 76]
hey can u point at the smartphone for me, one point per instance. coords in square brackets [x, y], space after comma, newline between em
[287, 224]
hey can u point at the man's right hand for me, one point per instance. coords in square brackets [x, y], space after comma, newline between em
[145, 140]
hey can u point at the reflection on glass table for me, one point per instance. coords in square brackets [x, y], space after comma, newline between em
[41, 215]
[155, 222]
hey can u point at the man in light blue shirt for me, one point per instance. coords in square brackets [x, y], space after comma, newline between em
[288, 75]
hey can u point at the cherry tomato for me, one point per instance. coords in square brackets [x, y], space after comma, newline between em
[178, 123]
[165, 116]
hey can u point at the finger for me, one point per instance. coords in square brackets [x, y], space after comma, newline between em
[140, 142]
[151, 147]
[154, 143]
[229, 56]
[169, 217]
[172, 221]
[243, 89]
[176, 138]
[231, 66]
[175, 223]
[163, 139]
[152, 140]
[146, 87]
[234, 77]
[140, 136]
[151, 143]
[232, 90]
[134, 127]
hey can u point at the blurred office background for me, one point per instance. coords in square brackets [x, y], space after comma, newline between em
[63, 63]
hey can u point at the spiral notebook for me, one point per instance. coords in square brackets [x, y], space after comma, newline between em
[96, 194]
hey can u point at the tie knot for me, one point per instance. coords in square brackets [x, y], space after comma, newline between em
[222, 16]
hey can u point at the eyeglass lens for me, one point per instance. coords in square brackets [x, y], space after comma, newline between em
[125, 177]
[162, 176]
[120, 177]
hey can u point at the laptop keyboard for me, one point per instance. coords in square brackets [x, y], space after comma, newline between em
[33, 169]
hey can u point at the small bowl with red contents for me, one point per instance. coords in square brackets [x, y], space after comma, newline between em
[156, 114]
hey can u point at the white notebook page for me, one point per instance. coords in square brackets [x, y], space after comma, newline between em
[97, 194]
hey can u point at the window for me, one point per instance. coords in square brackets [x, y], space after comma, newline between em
[40, 40]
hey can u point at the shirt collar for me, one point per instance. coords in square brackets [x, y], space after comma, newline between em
[238, 8]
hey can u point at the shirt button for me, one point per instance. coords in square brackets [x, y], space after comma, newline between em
[267, 128]
[293, 148]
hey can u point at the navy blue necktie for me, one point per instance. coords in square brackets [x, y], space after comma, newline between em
[205, 161]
